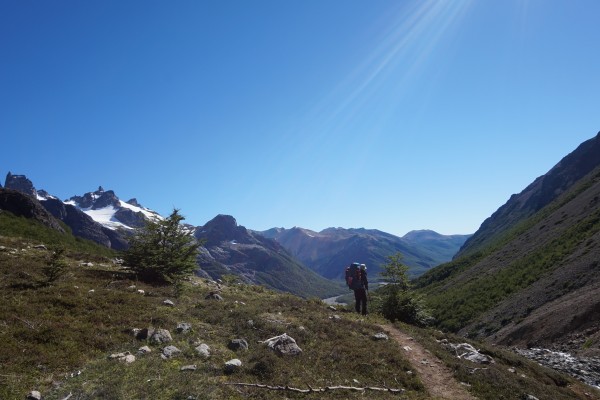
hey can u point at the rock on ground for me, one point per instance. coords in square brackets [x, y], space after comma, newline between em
[232, 365]
[284, 345]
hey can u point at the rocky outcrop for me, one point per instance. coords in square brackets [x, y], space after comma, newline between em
[134, 202]
[27, 206]
[118, 239]
[130, 218]
[20, 183]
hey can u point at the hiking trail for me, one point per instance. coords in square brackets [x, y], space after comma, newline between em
[436, 377]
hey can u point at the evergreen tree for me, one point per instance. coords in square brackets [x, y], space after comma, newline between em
[56, 265]
[163, 250]
[398, 301]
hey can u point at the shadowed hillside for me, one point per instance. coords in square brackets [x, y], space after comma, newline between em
[530, 275]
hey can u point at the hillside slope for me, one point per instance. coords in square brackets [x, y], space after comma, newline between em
[85, 336]
[537, 195]
[530, 276]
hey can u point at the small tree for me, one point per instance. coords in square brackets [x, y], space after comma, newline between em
[56, 265]
[399, 302]
[395, 273]
[163, 250]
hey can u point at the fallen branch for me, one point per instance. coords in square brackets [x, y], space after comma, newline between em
[315, 390]
[473, 370]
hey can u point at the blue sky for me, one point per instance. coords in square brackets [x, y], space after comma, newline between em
[392, 115]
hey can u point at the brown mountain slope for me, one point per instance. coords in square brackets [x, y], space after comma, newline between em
[535, 279]
[565, 299]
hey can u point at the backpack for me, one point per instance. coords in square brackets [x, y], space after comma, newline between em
[353, 276]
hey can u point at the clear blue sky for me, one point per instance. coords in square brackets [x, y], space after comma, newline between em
[392, 115]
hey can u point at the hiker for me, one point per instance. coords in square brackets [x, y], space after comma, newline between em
[356, 278]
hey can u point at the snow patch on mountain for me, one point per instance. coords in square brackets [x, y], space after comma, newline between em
[107, 215]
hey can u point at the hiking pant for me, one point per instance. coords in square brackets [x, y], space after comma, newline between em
[360, 295]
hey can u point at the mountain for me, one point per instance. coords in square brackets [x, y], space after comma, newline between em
[441, 248]
[329, 251]
[530, 274]
[537, 195]
[107, 209]
[97, 221]
[232, 249]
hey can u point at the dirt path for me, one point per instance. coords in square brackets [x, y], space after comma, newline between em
[436, 377]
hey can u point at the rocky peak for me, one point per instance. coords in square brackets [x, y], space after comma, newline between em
[96, 200]
[20, 183]
[44, 195]
[134, 202]
[222, 228]
[106, 199]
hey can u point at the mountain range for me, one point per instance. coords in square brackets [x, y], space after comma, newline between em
[530, 274]
[327, 251]
[293, 260]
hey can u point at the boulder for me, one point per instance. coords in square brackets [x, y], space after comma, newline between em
[192, 367]
[232, 365]
[380, 336]
[34, 395]
[183, 327]
[125, 357]
[170, 351]
[284, 345]
[143, 334]
[161, 336]
[214, 296]
[203, 350]
[468, 352]
[169, 303]
[144, 350]
[237, 344]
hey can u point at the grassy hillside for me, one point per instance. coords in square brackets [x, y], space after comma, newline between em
[540, 259]
[57, 339]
